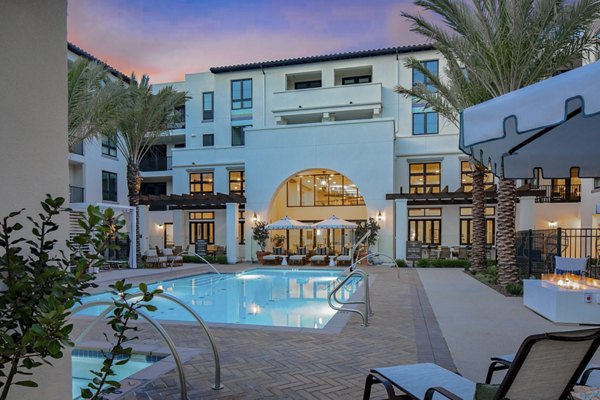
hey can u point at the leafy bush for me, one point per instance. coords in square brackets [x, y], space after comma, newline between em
[222, 259]
[401, 263]
[489, 279]
[423, 263]
[492, 270]
[514, 288]
[197, 260]
[449, 263]
[491, 263]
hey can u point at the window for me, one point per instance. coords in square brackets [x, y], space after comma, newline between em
[168, 240]
[178, 121]
[353, 80]
[241, 226]
[466, 178]
[201, 182]
[424, 212]
[466, 225]
[238, 135]
[155, 188]
[208, 110]
[428, 231]
[241, 94]
[322, 190]
[425, 177]
[596, 183]
[425, 120]
[237, 182]
[307, 84]
[202, 227]
[208, 140]
[109, 186]
[109, 146]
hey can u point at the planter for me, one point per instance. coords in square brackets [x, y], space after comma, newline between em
[260, 255]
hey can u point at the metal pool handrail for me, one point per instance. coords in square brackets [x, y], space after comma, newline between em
[197, 255]
[367, 299]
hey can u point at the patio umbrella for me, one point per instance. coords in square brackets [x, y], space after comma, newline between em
[288, 223]
[334, 222]
[553, 125]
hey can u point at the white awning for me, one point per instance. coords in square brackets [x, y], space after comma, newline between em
[553, 125]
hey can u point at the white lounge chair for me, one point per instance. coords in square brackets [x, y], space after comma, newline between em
[566, 265]
[154, 260]
[172, 259]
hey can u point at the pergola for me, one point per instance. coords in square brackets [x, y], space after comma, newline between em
[459, 196]
[191, 201]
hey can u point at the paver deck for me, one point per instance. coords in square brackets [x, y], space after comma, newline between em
[307, 364]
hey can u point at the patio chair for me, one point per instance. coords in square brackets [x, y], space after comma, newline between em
[463, 253]
[566, 265]
[546, 366]
[444, 253]
[344, 259]
[320, 257]
[154, 260]
[172, 259]
[299, 258]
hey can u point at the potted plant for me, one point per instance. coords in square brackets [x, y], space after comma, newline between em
[370, 225]
[260, 234]
[278, 240]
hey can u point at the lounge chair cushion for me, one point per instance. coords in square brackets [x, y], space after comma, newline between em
[485, 391]
[566, 265]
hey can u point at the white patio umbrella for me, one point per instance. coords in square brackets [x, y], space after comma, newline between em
[288, 223]
[334, 222]
[553, 125]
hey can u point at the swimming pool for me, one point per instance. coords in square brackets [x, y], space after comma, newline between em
[273, 297]
[82, 361]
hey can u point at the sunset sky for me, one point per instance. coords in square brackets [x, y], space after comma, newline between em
[168, 38]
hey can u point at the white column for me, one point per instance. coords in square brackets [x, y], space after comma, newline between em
[179, 229]
[144, 228]
[231, 224]
[401, 216]
[526, 213]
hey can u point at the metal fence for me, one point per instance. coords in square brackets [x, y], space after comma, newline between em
[536, 249]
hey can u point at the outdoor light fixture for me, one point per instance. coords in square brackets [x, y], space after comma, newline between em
[159, 226]
[254, 217]
[552, 224]
[379, 216]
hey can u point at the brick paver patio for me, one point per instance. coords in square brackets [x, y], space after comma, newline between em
[309, 364]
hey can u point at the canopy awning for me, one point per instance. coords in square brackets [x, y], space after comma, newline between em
[288, 223]
[334, 222]
[553, 125]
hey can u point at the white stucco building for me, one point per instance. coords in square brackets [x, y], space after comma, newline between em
[323, 135]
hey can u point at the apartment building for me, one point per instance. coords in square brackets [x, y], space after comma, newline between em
[327, 135]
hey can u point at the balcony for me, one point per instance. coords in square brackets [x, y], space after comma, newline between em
[76, 194]
[77, 148]
[559, 194]
[363, 100]
[156, 163]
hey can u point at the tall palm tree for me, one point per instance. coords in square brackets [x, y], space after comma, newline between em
[142, 118]
[449, 97]
[92, 100]
[504, 45]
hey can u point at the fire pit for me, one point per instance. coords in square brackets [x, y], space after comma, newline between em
[564, 298]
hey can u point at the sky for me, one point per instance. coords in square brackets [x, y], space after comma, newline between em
[168, 38]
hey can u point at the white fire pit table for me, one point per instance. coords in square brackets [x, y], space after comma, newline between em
[564, 298]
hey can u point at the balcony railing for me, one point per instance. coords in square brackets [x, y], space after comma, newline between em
[559, 194]
[160, 163]
[76, 194]
[77, 148]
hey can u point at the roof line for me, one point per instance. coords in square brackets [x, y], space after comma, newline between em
[319, 58]
[82, 53]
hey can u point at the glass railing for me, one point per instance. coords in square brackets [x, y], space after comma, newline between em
[76, 194]
[160, 163]
[77, 148]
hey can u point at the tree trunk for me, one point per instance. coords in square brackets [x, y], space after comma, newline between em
[477, 257]
[134, 184]
[506, 233]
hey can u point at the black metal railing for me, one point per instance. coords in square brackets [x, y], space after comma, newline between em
[76, 194]
[536, 249]
[559, 193]
[77, 148]
[153, 163]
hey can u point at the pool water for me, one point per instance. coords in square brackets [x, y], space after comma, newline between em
[273, 297]
[85, 360]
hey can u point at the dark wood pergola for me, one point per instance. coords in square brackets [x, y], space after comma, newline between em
[190, 201]
[459, 196]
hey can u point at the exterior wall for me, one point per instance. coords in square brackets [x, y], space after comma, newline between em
[33, 155]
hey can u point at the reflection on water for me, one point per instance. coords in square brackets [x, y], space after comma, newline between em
[292, 298]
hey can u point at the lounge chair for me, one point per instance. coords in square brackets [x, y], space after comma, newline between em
[299, 258]
[444, 253]
[344, 259]
[566, 265]
[275, 258]
[546, 366]
[154, 260]
[172, 259]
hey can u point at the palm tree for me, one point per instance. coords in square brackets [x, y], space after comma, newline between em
[448, 97]
[504, 45]
[143, 117]
[92, 100]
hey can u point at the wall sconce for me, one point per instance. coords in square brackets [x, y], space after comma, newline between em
[379, 216]
[254, 218]
[159, 226]
[552, 224]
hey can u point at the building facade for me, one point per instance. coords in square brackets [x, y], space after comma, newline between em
[328, 135]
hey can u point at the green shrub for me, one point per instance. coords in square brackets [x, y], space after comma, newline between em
[192, 259]
[491, 263]
[423, 263]
[401, 263]
[449, 263]
[514, 288]
[222, 259]
[492, 270]
[489, 279]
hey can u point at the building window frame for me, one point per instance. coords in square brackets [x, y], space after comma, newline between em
[238, 138]
[242, 226]
[208, 113]
[356, 80]
[110, 185]
[202, 182]
[109, 146]
[596, 183]
[244, 101]
[466, 180]
[426, 123]
[350, 194]
[203, 223]
[425, 177]
[424, 230]
[237, 180]
[317, 83]
[208, 140]
[430, 119]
